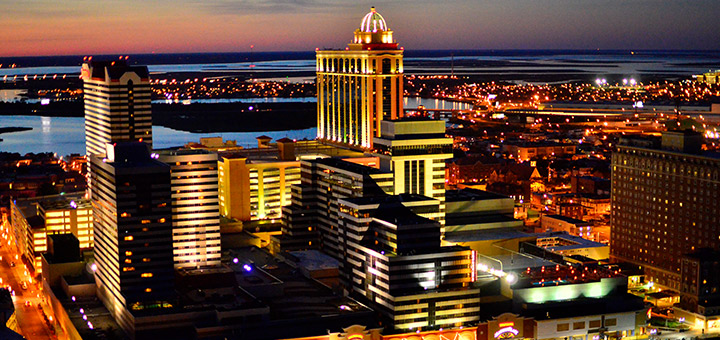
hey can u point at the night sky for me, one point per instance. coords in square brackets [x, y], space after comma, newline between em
[51, 27]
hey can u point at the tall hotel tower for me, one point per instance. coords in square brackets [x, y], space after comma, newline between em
[117, 104]
[133, 231]
[360, 86]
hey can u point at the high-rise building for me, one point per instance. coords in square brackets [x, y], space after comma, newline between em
[132, 210]
[664, 203]
[117, 104]
[360, 86]
[415, 150]
[313, 212]
[195, 209]
[392, 258]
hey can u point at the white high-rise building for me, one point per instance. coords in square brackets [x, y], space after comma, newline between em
[117, 104]
[195, 207]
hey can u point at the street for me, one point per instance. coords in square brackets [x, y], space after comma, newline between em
[27, 301]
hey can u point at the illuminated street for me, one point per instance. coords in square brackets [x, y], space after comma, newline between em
[30, 318]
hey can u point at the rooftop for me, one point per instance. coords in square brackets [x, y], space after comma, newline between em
[400, 198]
[572, 241]
[315, 260]
[487, 235]
[349, 166]
[469, 194]
[116, 69]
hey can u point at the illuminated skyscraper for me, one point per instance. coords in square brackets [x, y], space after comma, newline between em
[415, 150]
[117, 104]
[195, 209]
[133, 231]
[360, 86]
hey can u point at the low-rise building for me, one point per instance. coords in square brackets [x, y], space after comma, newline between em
[524, 151]
[33, 219]
[570, 225]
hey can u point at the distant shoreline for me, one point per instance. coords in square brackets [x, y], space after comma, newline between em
[196, 118]
[11, 129]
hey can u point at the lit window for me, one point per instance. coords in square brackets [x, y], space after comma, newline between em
[128, 253]
[128, 269]
[146, 259]
[162, 220]
[145, 221]
[129, 238]
[148, 290]
[124, 214]
[146, 275]
[128, 261]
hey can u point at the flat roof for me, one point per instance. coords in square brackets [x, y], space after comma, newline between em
[470, 194]
[488, 235]
[364, 200]
[512, 262]
[302, 297]
[64, 203]
[315, 260]
[579, 241]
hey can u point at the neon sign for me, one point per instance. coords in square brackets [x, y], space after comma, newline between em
[355, 337]
[506, 332]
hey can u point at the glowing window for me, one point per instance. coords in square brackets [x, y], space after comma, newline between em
[146, 275]
[129, 238]
[128, 253]
[145, 221]
[128, 269]
[148, 290]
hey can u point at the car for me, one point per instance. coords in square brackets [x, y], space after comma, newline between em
[24, 285]
[28, 303]
[12, 264]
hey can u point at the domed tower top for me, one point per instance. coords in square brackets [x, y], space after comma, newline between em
[373, 22]
[373, 33]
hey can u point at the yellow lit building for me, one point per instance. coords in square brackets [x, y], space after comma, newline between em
[710, 77]
[34, 218]
[254, 184]
[359, 87]
[255, 189]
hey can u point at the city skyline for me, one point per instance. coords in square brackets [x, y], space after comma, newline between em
[46, 28]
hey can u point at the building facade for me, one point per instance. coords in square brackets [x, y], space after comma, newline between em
[310, 221]
[360, 86]
[392, 258]
[255, 189]
[117, 104]
[195, 208]
[415, 151]
[664, 203]
[132, 209]
[33, 219]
